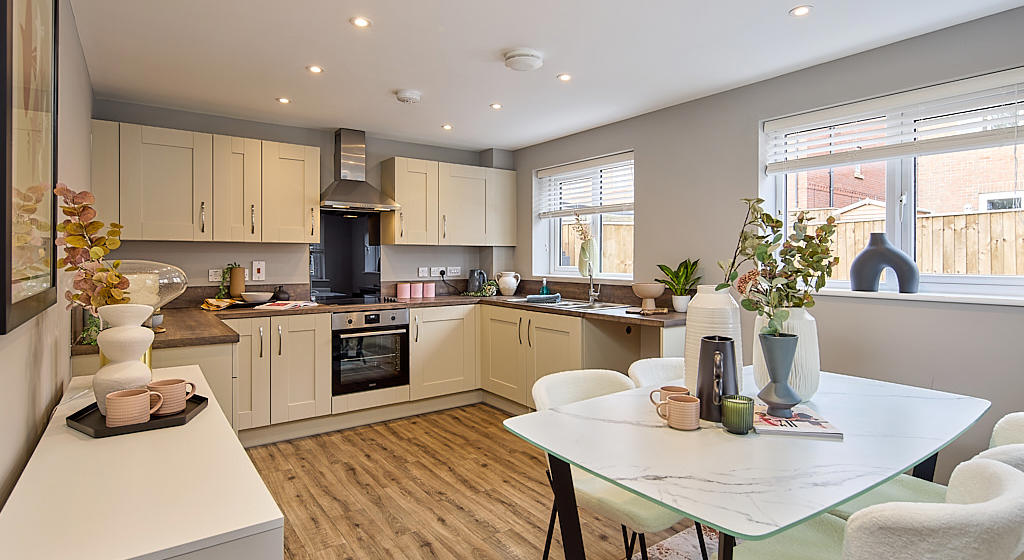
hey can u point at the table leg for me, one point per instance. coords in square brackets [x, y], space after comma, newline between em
[568, 514]
[925, 470]
[725, 545]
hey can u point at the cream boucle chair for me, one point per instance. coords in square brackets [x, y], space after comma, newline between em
[657, 371]
[1009, 429]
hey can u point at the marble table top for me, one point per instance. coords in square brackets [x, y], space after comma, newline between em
[754, 486]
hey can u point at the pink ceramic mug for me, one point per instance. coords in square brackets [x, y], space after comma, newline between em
[175, 392]
[131, 406]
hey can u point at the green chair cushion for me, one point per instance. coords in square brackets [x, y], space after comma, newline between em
[818, 538]
[903, 488]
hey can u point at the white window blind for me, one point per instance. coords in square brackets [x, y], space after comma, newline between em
[981, 112]
[589, 187]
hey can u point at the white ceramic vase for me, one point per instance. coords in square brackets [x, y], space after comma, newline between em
[124, 344]
[680, 303]
[804, 376]
[712, 312]
[507, 282]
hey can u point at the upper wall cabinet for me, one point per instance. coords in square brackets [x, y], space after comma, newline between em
[105, 170]
[291, 193]
[237, 191]
[166, 184]
[448, 204]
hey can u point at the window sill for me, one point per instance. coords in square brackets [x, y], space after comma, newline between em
[927, 297]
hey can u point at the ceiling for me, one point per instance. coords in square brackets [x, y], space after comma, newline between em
[234, 57]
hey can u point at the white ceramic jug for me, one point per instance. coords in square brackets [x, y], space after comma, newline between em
[508, 282]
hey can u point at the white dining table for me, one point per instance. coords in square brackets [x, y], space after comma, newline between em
[748, 486]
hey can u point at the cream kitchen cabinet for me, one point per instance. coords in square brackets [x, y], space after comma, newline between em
[237, 189]
[462, 204]
[413, 183]
[291, 193]
[500, 204]
[105, 182]
[553, 343]
[300, 366]
[252, 378]
[443, 351]
[166, 183]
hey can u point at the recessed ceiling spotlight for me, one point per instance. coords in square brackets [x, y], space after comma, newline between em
[315, 69]
[801, 11]
[283, 100]
[361, 22]
[564, 77]
[446, 126]
[495, 106]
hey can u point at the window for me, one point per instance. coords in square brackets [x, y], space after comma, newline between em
[939, 169]
[598, 191]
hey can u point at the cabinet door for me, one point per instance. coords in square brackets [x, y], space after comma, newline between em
[442, 355]
[461, 204]
[166, 181]
[413, 184]
[291, 193]
[300, 367]
[501, 207]
[106, 181]
[554, 343]
[502, 353]
[237, 203]
[252, 389]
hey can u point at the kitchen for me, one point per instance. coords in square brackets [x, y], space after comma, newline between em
[375, 278]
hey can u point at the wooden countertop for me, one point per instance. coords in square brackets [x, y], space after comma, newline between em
[196, 327]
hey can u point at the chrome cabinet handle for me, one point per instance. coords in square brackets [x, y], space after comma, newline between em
[444, 226]
[280, 340]
[202, 217]
[520, 330]
[252, 219]
[261, 342]
[401, 224]
[417, 339]
[312, 221]
[529, 339]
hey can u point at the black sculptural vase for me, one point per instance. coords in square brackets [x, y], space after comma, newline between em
[867, 267]
[779, 350]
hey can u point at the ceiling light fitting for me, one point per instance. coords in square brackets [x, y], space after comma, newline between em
[524, 59]
[446, 126]
[408, 95]
[315, 69]
[283, 100]
[564, 77]
[801, 10]
[495, 106]
[361, 22]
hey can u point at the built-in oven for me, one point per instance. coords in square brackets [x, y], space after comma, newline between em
[369, 350]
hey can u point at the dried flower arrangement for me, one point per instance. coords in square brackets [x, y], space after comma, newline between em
[582, 229]
[97, 283]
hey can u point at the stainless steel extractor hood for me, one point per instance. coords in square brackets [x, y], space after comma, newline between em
[349, 190]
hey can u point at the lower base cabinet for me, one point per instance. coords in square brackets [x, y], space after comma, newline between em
[519, 347]
[252, 383]
[443, 351]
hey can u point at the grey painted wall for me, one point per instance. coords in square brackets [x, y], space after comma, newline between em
[37, 355]
[694, 162]
[288, 263]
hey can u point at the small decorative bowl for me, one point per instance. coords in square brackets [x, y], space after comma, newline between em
[257, 297]
[648, 291]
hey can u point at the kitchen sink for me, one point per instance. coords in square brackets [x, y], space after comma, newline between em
[575, 304]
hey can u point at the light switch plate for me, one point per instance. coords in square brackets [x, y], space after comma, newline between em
[454, 270]
[246, 274]
[436, 270]
[215, 274]
[259, 270]
[423, 272]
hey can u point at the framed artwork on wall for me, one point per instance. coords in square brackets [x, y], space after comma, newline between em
[29, 163]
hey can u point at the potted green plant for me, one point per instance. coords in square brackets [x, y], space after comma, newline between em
[681, 281]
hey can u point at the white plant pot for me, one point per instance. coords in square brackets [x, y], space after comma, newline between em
[712, 312]
[124, 345]
[680, 303]
[806, 372]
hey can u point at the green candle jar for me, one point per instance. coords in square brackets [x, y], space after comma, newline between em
[737, 413]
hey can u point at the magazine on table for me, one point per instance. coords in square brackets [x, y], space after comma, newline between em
[805, 422]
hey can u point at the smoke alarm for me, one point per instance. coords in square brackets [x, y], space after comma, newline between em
[408, 95]
[523, 59]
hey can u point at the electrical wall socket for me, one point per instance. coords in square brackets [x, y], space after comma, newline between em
[436, 270]
[246, 274]
[423, 272]
[259, 270]
[215, 274]
[454, 270]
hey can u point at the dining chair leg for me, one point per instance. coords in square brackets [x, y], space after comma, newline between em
[551, 530]
[631, 544]
[700, 539]
[643, 547]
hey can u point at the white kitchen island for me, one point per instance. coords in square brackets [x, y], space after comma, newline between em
[187, 492]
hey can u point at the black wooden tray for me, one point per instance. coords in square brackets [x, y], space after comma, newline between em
[90, 422]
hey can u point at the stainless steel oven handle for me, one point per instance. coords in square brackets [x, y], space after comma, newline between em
[280, 340]
[375, 333]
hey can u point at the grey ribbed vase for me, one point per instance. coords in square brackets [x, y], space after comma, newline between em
[867, 267]
[778, 358]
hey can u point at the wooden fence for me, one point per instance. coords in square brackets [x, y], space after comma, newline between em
[987, 243]
[618, 246]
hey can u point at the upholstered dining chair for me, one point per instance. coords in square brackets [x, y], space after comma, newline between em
[656, 371]
[905, 488]
[982, 517]
[632, 512]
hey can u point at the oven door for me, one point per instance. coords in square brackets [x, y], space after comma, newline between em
[369, 358]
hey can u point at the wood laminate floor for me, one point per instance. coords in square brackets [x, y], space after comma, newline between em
[450, 484]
